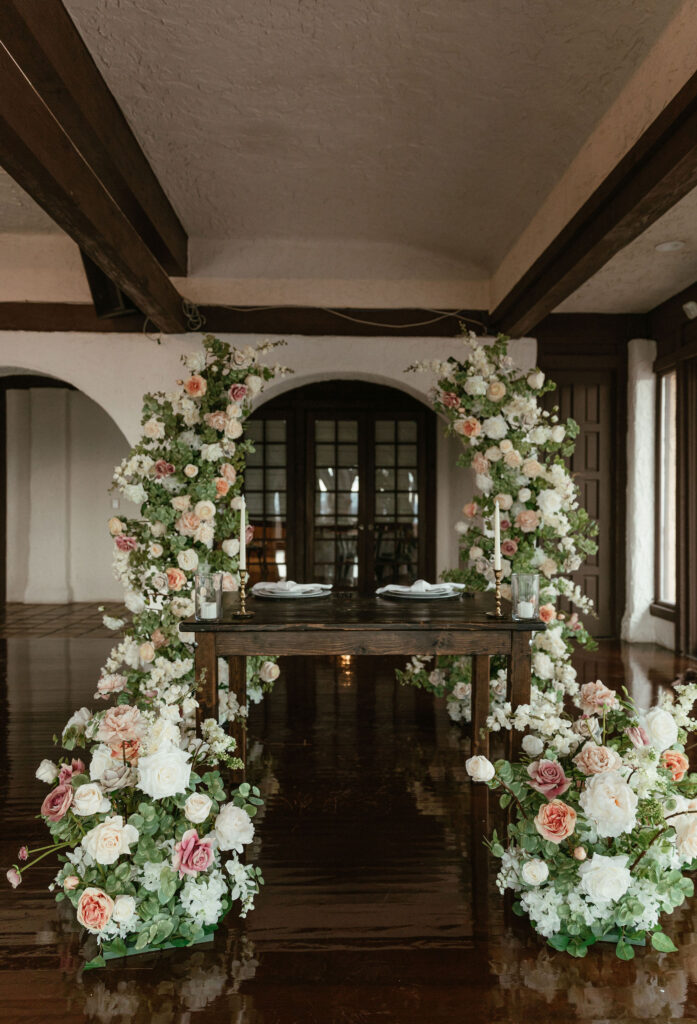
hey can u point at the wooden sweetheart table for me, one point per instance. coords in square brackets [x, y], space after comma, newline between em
[345, 623]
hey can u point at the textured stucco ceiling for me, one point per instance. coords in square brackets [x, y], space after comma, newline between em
[19, 212]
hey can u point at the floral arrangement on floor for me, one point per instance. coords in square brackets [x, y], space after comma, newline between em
[602, 828]
[518, 451]
[149, 841]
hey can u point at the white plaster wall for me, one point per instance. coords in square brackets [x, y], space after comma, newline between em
[638, 625]
[62, 449]
[115, 370]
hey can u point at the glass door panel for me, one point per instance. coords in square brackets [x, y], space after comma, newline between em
[336, 497]
[266, 488]
[396, 504]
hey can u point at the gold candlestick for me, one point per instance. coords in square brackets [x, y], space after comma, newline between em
[243, 613]
[498, 614]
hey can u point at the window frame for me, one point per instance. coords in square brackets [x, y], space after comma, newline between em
[659, 607]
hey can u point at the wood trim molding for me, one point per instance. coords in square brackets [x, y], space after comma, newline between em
[46, 45]
[657, 171]
[38, 154]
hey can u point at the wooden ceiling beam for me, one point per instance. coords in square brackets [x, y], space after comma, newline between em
[37, 153]
[654, 175]
[44, 42]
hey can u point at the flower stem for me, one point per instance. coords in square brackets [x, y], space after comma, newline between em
[644, 852]
[509, 790]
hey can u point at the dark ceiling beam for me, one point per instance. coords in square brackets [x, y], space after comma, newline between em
[654, 175]
[38, 154]
[44, 42]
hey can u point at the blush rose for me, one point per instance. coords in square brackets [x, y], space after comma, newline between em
[191, 854]
[548, 778]
[57, 803]
[555, 821]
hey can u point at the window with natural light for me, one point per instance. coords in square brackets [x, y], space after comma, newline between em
[667, 468]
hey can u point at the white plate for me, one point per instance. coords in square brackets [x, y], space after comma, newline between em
[291, 595]
[424, 596]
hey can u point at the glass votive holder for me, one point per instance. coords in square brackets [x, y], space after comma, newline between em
[525, 595]
[208, 596]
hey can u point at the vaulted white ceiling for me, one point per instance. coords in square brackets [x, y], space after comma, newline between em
[373, 142]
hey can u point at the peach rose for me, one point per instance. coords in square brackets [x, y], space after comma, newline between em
[555, 821]
[221, 486]
[470, 427]
[596, 696]
[504, 501]
[480, 464]
[513, 460]
[115, 526]
[470, 509]
[230, 584]
[182, 501]
[190, 471]
[94, 909]
[216, 420]
[228, 472]
[175, 578]
[120, 724]
[496, 391]
[532, 468]
[594, 759]
[188, 524]
[195, 386]
[56, 804]
[155, 549]
[146, 651]
[129, 751]
[547, 612]
[509, 548]
[109, 684]
[676, 763]
[159, 639]
[527, 520]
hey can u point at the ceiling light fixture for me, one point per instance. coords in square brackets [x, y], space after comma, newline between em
[670, 246]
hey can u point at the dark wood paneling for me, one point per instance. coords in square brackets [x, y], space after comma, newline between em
[655, 174]
[686, 619]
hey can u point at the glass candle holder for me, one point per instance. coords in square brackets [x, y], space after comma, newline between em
[525, 595]
[208, 596]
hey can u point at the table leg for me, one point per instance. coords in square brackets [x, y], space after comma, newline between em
[519, 672]
[238, 685]
[206, 675]
[480, 703]
[480, 796]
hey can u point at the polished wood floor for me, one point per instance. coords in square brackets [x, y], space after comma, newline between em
[365, 844]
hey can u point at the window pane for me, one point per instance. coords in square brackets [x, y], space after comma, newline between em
[667, 489]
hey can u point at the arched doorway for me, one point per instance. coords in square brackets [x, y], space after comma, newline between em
[342, 486]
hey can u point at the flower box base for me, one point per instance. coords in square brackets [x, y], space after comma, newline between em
[106, 954]
[615, 937]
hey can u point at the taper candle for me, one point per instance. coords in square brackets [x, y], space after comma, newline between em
[243, 536]
[497, 536]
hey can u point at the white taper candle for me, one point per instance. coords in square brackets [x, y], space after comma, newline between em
[497, 537]
[243, 536]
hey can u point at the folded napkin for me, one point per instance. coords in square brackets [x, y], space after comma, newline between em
[289, 587]
[422, 587]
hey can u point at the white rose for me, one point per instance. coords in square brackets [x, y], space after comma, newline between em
[164, 773]
[605, 879]
[236, 502]
[47, 771]
[480, 768]
[475, 553]
[188, 560]
[108, 840]
[539, 435]
[254, 383]
[461, 691]
[536, 380]
[231, 547]
[124, 909]
[524, 494]
[101, 760]
[195, 361]
[159, 582]
[198, 807]
[686, 835]
[156, 550]
[158, 529]
[79, 720]
[532, 745]
[558, 434]
[610, 803]
[548, 502]
[211, 452]
[146, 652]
[190, 470]
[205, 510]
[493, 454]
[233, 828]
[661, 728]
[495, 427]
[154, 429]
[532, 468]
[504, 501]
[181, 503]
[233, 428]
[269, 671]
[548, 567]
[163, 733]
[534, 872]
[88, 799]
[475, 385]
[542, 665]
[205, 534]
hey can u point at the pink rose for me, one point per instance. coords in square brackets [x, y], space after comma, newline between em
[450, 400]
[237, 392]
[122, 724]
[216, 420]
[188, 524]
[162, 468]
[555, 821]
[76, 767]
[14, 877]
[527, 520]
[195, 386]
[480, 464]
[509, 548]
[638, 736]
[249, 534]
[71, 882]
[56, 804]
[505, 524]
[469, 427]
[548, 778]
[594, 697]
[175, 578]
[108, 685]
[192, 854]
[470, 509]
[595, 759]
[547, 612]
[23, 853]
[126, 543]
[159, 639]
[94, 909]
[228, 472]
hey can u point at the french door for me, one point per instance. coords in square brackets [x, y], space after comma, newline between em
[341, 487]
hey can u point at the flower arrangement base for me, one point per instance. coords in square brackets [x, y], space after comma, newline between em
[107, 954]
[615, 937]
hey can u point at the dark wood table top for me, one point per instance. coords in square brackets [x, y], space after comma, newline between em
[348, 611]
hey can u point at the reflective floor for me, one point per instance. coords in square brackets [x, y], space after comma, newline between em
[365, 844]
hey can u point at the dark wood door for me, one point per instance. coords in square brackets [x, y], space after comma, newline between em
[589, 397]
[341, 487]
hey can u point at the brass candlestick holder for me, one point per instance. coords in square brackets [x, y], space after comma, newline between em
[242, 613]
[498, 614]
